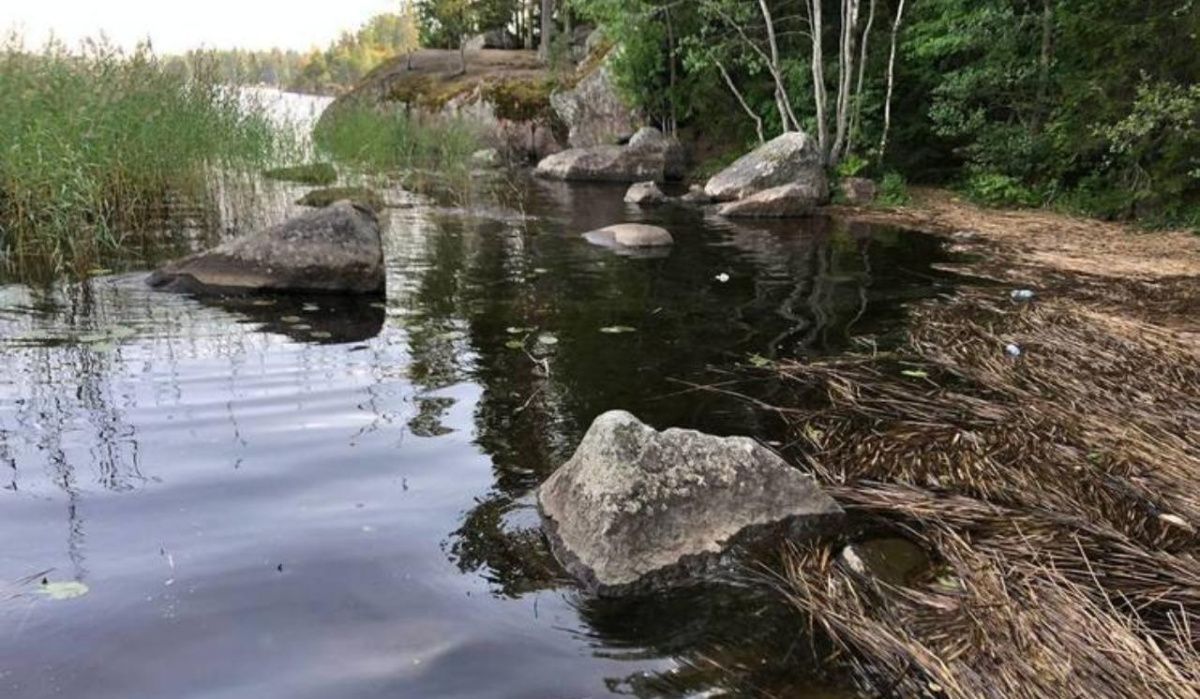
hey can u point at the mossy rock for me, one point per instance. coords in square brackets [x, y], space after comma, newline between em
[317, 174]
[520, 100]
[321, 198]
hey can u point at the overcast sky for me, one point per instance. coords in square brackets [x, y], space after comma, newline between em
[178, 25]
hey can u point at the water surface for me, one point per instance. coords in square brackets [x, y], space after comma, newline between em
[313, 497]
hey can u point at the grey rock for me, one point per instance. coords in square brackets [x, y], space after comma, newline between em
[501, 39]
[594, 42]
[788, 201]
[696, 195]
[486, 158]
[630, 235]
[859, 190]
[636, 509]
[656, 163]
[594, 111]
[334, 249]
[645, 194]
[792, 158]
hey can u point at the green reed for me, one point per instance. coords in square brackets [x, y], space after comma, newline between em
[390, 140]
[99, 147]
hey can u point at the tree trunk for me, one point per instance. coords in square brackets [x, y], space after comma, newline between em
[758, 122]
[547, 29]
[858, 90]
[820, 96]
[1044, 64]
[891, 81]
[845, 76]
[782, 100]
[673, 117]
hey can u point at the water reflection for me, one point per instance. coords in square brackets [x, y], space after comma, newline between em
[343, 489]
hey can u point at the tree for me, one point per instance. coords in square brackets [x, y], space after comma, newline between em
[449, 23]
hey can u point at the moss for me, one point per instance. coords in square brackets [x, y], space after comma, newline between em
[317, 174]
[520, 100]
[320, 198]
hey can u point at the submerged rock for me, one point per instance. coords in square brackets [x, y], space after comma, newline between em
[630, 235]
[696, 195]
[792, 158]
[787, 201]
[334, 249]
[645, 193]
[636, 509]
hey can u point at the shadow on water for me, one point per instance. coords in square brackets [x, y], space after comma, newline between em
[332, 497]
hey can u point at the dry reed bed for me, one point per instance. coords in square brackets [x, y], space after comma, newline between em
[1057, 492]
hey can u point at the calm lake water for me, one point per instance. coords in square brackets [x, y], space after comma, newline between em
[314, 497]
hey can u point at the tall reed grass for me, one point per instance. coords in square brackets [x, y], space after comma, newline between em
[393, 140]
[100, 146]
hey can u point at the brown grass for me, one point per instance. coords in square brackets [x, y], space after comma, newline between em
[1057, 491]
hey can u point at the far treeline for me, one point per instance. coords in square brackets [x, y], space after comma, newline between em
[1088, 105]
[318, 71]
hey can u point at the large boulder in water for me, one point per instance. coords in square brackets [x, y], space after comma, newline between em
[630, 235]
[636, 509]
[335, 249]
[788, 201]
[792, 158]
[650, 156]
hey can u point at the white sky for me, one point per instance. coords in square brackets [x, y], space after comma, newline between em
[177, 25]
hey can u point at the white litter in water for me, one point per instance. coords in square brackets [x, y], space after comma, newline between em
[722, 277]
[1012, 350]
[1022, 295]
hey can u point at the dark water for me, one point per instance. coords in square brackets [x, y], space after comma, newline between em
[310, 498]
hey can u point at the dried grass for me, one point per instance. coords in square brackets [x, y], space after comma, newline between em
[1057, 491]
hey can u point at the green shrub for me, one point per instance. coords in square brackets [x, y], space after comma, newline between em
[320, 198]
[893, 190]
[992, 189]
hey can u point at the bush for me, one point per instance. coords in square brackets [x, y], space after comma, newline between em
[893, 190]
[992, 189]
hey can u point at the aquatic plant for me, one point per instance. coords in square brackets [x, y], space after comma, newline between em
[102, 147]
[316, 174]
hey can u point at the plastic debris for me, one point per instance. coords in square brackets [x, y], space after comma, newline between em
[1022, 295]
[722, 277]
[1012, 350]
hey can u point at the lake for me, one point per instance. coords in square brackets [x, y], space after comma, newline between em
[323, 497]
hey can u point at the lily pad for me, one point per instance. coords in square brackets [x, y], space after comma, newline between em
[519, 331]
[63, 590]
[547, 339]
[618, 330]
[759, 362]
[291, 319]
[514, 344]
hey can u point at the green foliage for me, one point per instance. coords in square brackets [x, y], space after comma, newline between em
[851, 166]
[103, 146]
[893, 190]
[317, 174]
[392, 139]
[994, 189]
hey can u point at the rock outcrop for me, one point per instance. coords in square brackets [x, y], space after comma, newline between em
[630, 235]
[648, 157]
[635, 509]
[594, 112]
[858, 190]
[792, 158]
[336, 249]
[788, 201]
[645, 194]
